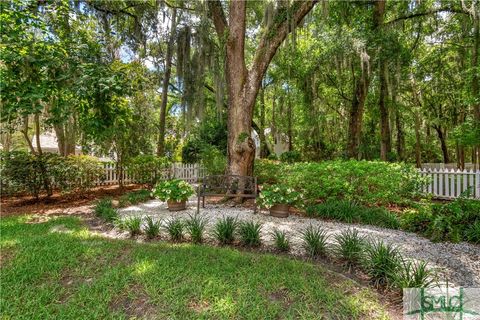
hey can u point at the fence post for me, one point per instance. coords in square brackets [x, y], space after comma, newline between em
[477, 183]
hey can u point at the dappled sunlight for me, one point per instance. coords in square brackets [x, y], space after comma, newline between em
[224, 305]
[143, 267]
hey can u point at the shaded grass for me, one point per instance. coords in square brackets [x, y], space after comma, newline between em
[70, 273]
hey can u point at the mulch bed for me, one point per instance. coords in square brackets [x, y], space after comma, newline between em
[70, 203]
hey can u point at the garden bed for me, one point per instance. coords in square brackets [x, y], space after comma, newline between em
[459, 263]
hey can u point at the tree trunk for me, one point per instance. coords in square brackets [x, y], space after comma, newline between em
[476, 81]
[385, 143]
[25, 135]
[289, 123]
[418, 143]
[243, 84]
[356, 115]
[264, 152]
[37, 133]
[443, 143]
[166, 80]
[60, 134]
[400, 136]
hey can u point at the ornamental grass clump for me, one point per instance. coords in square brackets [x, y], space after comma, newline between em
[381, 262]
[279, 194]
[152, 227]
[174, 228]
[282, 243]
[414, 274]
[133, 225]
[104, 209]
[349, 247]
[315, 241]
[195, 226]
[224, 230]
[173, 190]
[249, 232]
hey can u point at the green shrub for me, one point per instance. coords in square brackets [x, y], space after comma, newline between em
[291, 156]
[25, 172]
[104, 210]
[453, 221]
[281, 241]
[352, 212]
[76, 172]
[472, 233]
[268, 171]
[416, 220]
[134, 197]
[191, 151]
[315, 241]
[224, 230]
[213, 160]
[195, 226]
[249, 232]
[413, 274]
[368, 182]
[133, 225]
[381, 262]
[152, 227]
[34, 174]
[174, 228]
[147, 169]
[349, 247]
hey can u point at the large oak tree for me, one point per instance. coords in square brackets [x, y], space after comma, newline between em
[244, 83]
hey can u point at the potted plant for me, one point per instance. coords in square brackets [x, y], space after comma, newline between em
[175, 192]
[278, 198]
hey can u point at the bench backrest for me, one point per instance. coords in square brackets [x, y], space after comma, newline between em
[229, 184]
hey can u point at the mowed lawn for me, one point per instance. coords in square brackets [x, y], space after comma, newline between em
[58, 269]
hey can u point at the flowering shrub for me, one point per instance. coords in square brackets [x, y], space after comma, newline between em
[279, 194]
[175, 190]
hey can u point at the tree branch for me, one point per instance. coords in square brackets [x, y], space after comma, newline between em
[426, 13]
[218, 16]
[273, 38]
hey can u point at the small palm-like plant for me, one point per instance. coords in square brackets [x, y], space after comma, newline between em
[282, 243]
[224, 230]
[152, 227]
[250, 233]
[413, 274]
[195, 226]
[381, 262]
[133, 225]
[174, 228]
[315, 241]
[349, 247]
[104, 209]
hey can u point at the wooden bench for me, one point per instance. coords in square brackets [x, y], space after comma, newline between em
[227, 186]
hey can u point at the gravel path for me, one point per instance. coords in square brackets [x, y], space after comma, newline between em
[458, 263]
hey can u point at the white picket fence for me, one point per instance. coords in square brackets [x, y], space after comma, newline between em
[188, 172]
[451, 183]
[442, 183]
[468, 166]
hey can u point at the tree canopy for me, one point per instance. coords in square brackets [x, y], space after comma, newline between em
[388, 80]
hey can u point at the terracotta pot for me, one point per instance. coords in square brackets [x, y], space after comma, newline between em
[176, 205]
[279, 210]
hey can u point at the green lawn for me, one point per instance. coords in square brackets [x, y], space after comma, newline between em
[58, 269]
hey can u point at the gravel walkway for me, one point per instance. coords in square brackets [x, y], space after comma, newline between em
[458, 263]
